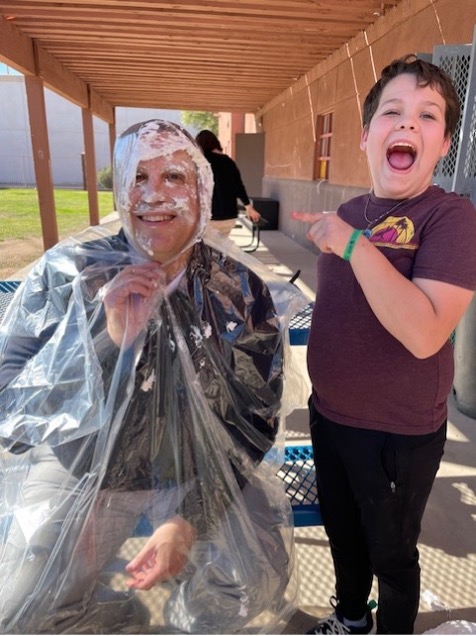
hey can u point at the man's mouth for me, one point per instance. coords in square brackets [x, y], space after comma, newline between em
[155, 218]
[401, 156]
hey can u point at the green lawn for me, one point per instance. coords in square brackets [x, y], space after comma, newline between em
[20, 216]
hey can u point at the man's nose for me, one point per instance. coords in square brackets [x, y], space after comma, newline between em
[154, 190]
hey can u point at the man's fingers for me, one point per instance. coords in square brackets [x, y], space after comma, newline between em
[147, 582]
[144, 555]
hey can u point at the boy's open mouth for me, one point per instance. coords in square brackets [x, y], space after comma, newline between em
[401, 156]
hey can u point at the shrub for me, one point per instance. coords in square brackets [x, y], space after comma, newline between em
[105, 177]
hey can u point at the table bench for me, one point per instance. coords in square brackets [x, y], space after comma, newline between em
[297, 471]
[299, 326]
[7, 289]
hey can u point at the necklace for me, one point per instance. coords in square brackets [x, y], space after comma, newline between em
[372, 222]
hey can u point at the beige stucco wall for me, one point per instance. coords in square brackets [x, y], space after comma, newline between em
[340, 84]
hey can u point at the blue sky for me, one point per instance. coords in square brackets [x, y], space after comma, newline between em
[7, 70]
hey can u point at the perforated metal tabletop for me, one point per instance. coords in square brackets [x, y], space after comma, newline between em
[299, 326]
[7, 289]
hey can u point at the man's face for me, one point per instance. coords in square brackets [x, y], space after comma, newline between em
[405, 138]
[164, 213]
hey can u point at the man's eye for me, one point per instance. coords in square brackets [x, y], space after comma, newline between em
[140, 178]
[176, 177]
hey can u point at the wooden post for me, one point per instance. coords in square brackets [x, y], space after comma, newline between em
[41, 158]
[112, 141]
[90, 166]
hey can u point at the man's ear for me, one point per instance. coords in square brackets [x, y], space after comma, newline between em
[363, 138]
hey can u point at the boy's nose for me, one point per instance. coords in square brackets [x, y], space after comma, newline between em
[407, 121]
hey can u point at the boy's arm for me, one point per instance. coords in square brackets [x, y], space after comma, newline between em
[420, 313]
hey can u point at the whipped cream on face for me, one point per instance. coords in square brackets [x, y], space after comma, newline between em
[145, 141]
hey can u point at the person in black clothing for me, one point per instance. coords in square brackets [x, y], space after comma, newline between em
[141, 387]
[228, 185]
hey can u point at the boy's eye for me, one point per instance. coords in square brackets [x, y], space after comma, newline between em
[391, 112]
[428, 116]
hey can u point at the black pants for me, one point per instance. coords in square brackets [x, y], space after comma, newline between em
[373, 488]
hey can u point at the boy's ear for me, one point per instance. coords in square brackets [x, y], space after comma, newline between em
[363, 138]
[446, 146]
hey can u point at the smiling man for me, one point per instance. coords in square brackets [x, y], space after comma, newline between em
[141, 385]
[164, 198]
[396, 273]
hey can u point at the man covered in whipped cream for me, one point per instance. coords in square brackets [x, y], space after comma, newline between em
[141, 386]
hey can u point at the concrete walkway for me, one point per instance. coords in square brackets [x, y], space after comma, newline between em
[448, 539]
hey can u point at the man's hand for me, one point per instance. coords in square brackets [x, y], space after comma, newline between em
[128, 300]
[164, 555]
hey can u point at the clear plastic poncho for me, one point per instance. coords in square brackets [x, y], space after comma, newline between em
[137, 490]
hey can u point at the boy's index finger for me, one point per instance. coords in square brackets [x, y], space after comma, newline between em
[307, 217]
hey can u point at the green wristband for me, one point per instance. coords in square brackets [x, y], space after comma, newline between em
[349, 248]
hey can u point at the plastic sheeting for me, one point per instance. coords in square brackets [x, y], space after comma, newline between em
[453, 627]
[136, 491]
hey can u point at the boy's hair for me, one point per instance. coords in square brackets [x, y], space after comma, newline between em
[426, 74]
[208, 141]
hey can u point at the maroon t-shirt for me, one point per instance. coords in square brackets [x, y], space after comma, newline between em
[361, 375]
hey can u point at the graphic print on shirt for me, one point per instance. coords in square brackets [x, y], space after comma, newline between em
[395, 232]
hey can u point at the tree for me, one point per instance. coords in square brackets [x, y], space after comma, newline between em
[200, 120]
